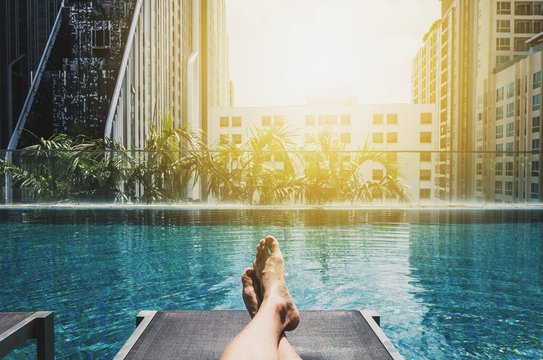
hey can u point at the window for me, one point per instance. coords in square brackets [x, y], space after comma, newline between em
[536, 122]
[523, 27]
[499, 169]
[236, 138]
[331, 119]
[498, 187]
[425, 118]
[392, 119]
[499, 132]
[504, 8]
[520, 44]
[266, 120]
[535, 168]
[510, 90]
[536, 102]
[479, 169]
[425, 156]
[378, 119]
[510, 129]
[425, 175]
[535, 144]
[499, 113]
[499, 94]
[503, 44]
[224, 139]
[236, 121]
[322, 120]
[378, 138]
[309, 120]
[523, 8]
[537, 9]
[534, 189]
[225, 121]
[478, 185]
[479, 134]
[279, 121]
[499, 149]
[392, 137]
[425, 137]
[392, 157]
[508, 188]
[537, 80]
[345, 138]
[510, 147]
[345, 119]
[424, 194]
[377, 174]
[503, 26]
[511, 109]
[509, 169]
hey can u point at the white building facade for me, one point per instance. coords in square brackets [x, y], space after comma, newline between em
[406, 132]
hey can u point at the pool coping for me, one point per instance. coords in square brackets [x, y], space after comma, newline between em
[91, 206]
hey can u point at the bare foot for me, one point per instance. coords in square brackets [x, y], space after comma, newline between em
[251, 291]
[269, 268]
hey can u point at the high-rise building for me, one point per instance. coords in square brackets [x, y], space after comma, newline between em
[175, 63]
[443, 74]
[507, 97]
[511, 125]
[24, 32]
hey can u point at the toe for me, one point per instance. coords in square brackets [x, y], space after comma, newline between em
[247, 277]
[272, 244]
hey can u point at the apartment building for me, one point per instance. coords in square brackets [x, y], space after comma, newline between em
[406, 132]
[474, 41]
[508, 64]
[443, 74]
[173, 49]
[513, 127]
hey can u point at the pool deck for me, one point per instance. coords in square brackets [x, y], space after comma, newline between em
[18, 327]
[327, 334]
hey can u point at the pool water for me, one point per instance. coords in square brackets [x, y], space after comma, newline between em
[448, 284]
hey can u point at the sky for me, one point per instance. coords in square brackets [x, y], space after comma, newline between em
[279, 48]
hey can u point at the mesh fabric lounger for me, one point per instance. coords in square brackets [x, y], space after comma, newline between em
[18, 327]
[195, 335]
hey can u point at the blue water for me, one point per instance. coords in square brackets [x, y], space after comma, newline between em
[448, 284]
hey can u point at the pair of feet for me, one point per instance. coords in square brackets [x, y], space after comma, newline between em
[265, 282]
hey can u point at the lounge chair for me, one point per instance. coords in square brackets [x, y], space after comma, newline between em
[205, 334]
[18, 327]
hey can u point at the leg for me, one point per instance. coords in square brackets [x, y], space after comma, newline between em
[251, 298]
[260, 338]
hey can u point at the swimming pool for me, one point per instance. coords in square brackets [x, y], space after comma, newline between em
[449, 284]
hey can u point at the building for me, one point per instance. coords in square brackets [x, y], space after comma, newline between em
[506, 89]
[406, 132]
[443, 74]
[472, 39]
[170, 68]
[23, 35]
[512, 122]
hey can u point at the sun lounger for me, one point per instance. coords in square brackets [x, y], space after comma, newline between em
[18, 327]
[205, 334]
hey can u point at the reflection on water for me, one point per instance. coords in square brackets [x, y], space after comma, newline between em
[483, 287]
[448, 284]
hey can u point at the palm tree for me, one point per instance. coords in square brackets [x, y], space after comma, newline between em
[167, 162]
[333, 175]
[61, 168]
[259, 170]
